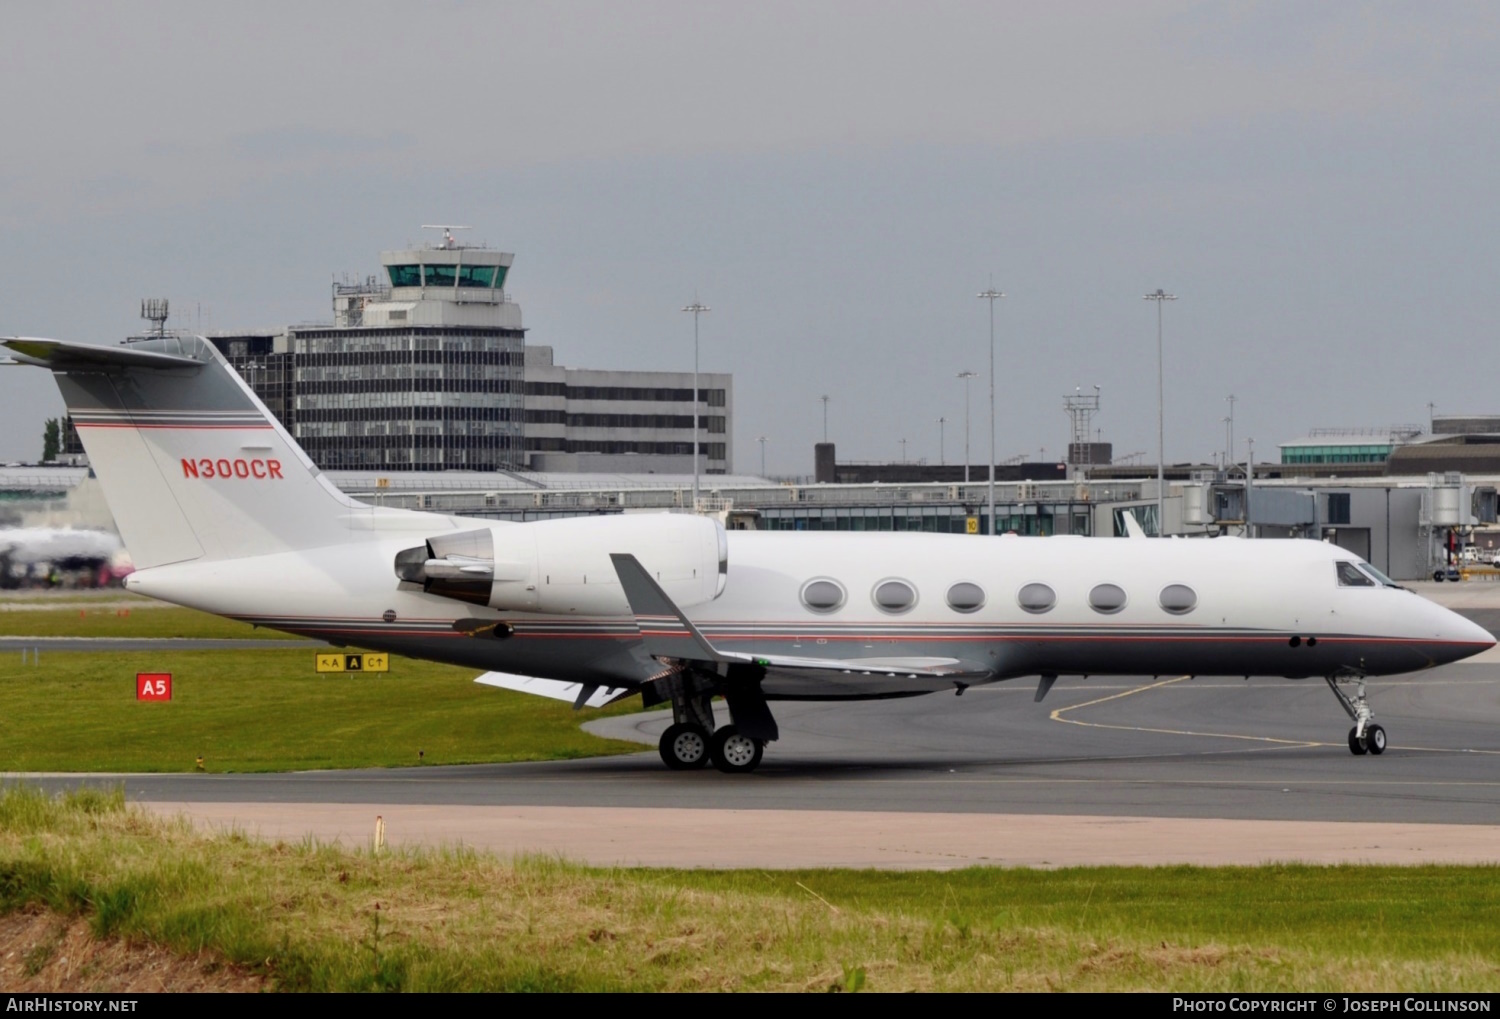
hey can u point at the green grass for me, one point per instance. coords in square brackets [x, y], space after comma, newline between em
[269, 711]
[323, 918]
[149, 619]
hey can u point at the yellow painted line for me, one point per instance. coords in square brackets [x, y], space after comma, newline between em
[1056, 716]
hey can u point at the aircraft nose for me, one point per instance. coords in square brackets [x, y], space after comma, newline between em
[1462, 638]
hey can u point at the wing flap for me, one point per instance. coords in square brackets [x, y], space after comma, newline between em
[945, 668]
[556, 689]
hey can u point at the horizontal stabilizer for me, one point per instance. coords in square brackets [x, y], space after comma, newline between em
[63, 355]
[555, 689]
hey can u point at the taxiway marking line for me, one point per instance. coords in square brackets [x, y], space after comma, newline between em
[1057, 714]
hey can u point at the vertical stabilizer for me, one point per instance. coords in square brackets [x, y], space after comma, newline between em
[193, 465]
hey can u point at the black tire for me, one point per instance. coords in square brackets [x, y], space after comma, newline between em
[1357, 746]
[734, 754]
[1375, 739]
[1437, 575]
[684, 746]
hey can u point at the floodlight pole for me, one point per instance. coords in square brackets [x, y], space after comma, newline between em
[1229, 456]
[966, 375]
[992, 295]
[1161, 457]
[697, 309]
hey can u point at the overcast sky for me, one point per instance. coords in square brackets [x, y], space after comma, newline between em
[1316, 182]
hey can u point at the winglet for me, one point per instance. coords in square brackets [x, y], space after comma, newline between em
[665, 631]
[1133, 528]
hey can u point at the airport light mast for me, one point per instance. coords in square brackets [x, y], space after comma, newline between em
[1161, 457]
[966, 375]
[992, 295]
[1229, 456]
[697, 308]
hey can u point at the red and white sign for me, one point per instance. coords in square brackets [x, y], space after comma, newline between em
[153, 686]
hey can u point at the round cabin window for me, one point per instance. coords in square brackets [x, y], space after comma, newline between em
[894, 596]
[1107, 598]
[1037, 597]
[965, 597]
[822, 595]
[1178, 599]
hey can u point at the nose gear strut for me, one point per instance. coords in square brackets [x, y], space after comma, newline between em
[1366, 736]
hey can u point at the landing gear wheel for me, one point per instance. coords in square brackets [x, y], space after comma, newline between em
[1375, 739]
[684, 747]
[733, 753]
[1357, 746]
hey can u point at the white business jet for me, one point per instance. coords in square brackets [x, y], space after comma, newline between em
[223, 512]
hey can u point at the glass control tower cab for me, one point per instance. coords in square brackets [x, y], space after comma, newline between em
[423, 368]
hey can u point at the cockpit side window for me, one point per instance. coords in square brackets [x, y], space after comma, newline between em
[1350, 575]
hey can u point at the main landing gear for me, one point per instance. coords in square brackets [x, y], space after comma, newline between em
[1366, 737]
[692, 741]
[686, 746]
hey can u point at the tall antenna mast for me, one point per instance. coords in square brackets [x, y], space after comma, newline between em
[1081, 408]
[154, 310]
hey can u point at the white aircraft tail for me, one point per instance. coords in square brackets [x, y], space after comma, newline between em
[193, 465]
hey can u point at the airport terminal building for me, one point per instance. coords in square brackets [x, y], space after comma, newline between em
[426, 368]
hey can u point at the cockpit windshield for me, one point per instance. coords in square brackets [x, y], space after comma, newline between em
[1361, 574]
[1380, 578]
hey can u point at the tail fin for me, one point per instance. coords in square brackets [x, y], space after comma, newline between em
[193, 465]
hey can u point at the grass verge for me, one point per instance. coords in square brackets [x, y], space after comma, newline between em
[269, 711]
[312, 917]
[149, 619]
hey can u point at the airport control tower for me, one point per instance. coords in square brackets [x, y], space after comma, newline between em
[422, 368]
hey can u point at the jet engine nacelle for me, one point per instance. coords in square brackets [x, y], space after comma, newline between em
[563, 566]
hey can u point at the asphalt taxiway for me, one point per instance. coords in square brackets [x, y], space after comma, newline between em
[1147, 770]
[1143, 769]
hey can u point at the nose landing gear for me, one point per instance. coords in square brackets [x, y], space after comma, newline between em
[1366, 737]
